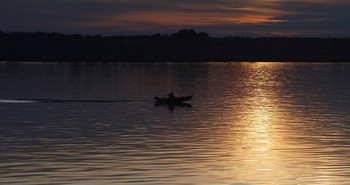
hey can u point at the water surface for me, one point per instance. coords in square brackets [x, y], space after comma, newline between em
[249, 123]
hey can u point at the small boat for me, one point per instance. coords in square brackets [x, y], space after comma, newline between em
[173, 101]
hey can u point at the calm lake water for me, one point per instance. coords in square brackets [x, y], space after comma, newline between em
[249, 123]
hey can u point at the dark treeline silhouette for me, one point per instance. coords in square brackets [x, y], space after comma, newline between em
[186, 45]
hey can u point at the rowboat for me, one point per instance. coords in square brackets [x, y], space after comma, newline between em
[172, 101]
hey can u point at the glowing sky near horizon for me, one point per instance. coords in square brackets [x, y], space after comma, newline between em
[217, 17]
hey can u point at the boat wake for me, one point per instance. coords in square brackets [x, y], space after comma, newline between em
[65, 101]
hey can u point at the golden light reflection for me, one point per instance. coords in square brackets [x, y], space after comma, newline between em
[268, 147]
[259, 116]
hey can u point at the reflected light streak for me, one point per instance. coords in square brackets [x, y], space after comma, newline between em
[261, 116]
[268, 135]
[259, 123]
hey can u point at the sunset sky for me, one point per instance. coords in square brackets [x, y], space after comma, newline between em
[326, 18]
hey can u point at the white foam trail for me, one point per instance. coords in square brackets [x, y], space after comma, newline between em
[18, 101]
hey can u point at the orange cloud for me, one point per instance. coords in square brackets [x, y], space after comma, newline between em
[178, 18]
[305, 1]
[224, 14]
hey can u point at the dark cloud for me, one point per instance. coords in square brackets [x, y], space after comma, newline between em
[219, 17]
[301, 19]
[56, 14]
[327, 18]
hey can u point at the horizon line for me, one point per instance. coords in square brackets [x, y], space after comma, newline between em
[170, 34]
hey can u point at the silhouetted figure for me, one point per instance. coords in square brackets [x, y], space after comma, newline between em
[171, 96]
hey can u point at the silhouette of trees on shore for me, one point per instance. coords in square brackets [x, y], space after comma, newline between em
[184, 46]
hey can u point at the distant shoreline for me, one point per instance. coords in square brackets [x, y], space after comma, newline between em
[183, 46]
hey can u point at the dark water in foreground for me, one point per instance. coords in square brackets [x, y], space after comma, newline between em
[249, 123]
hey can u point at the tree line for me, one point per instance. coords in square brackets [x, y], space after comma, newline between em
[186, 45]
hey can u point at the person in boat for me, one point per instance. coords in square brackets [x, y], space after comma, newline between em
[171, 96]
